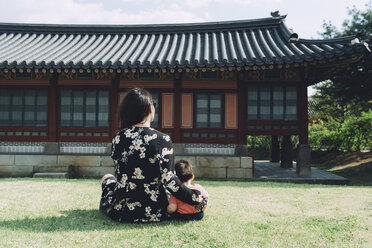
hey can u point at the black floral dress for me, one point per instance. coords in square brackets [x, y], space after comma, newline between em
[144, 170]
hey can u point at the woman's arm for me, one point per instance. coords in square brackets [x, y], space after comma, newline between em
[170, 179]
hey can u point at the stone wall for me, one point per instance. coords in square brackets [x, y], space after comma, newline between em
[209, 167]
[220, 167]
[17, 165]
[93, 166]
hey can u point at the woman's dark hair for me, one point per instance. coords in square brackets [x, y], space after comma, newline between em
[184, 170]
[134, 108]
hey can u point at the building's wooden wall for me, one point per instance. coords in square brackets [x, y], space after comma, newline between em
[177, 97]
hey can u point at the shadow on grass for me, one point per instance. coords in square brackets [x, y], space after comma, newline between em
[360, 175]
[78, 220]
[357, 167]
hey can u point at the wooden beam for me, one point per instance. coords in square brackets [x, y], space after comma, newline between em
[176, 136]
[85, 82]
[52, 108]
[147, 84]
[114, 105]
[242, 110]
[209, 85]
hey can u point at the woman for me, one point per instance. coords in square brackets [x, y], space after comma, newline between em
[144, 167]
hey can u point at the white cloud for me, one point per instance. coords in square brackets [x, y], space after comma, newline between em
[203, 3]
[141, 2]
[73, 12]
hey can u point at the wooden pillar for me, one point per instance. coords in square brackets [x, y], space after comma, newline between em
[303, 115]
[286, 153]
[176, 137]
[52, 108]
[303, 164]
[274, 149]
[114, 104]
[242, 110]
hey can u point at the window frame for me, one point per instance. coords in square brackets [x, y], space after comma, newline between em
[258, 102]
[217, 132]
[222, 109]
[71, 111]
[23, 121]
[105, 132]
[28, 133]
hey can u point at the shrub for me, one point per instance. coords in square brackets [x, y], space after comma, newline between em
[356, 132]
[321, 137]
[258, 142]
[259, 146]
[353, 133]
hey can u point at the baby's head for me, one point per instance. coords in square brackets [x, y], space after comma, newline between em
[184, 171]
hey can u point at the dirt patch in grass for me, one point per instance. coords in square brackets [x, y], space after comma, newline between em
[356, 166]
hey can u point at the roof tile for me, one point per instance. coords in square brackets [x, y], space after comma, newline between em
[217, 44]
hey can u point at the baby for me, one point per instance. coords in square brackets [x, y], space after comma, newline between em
[185, 211]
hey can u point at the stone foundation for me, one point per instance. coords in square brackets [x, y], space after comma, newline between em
[220, 167]
[206, 166]
[17, 165]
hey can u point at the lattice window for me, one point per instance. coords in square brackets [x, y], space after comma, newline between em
[84, 108]
[265, 103]
[291, 103]
[252, 103]
[23, 107]
[208, 110]
[278, 103]
[272, 103]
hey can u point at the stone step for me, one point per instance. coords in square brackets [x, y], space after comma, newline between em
[52, 175]
[53, 168]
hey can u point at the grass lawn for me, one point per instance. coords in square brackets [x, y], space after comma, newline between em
[64, 213]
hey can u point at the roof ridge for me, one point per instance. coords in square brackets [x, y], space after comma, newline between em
[152, 28]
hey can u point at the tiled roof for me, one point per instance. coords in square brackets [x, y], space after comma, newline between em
[264, 41]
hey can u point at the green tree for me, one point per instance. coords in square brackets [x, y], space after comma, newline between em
[326, 106]
[349, 92]
[354, 134]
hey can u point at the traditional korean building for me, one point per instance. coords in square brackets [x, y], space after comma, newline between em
[214, 83]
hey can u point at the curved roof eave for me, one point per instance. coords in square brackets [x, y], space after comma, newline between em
[265, 41]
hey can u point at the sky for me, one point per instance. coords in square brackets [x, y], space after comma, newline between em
[305, 17]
